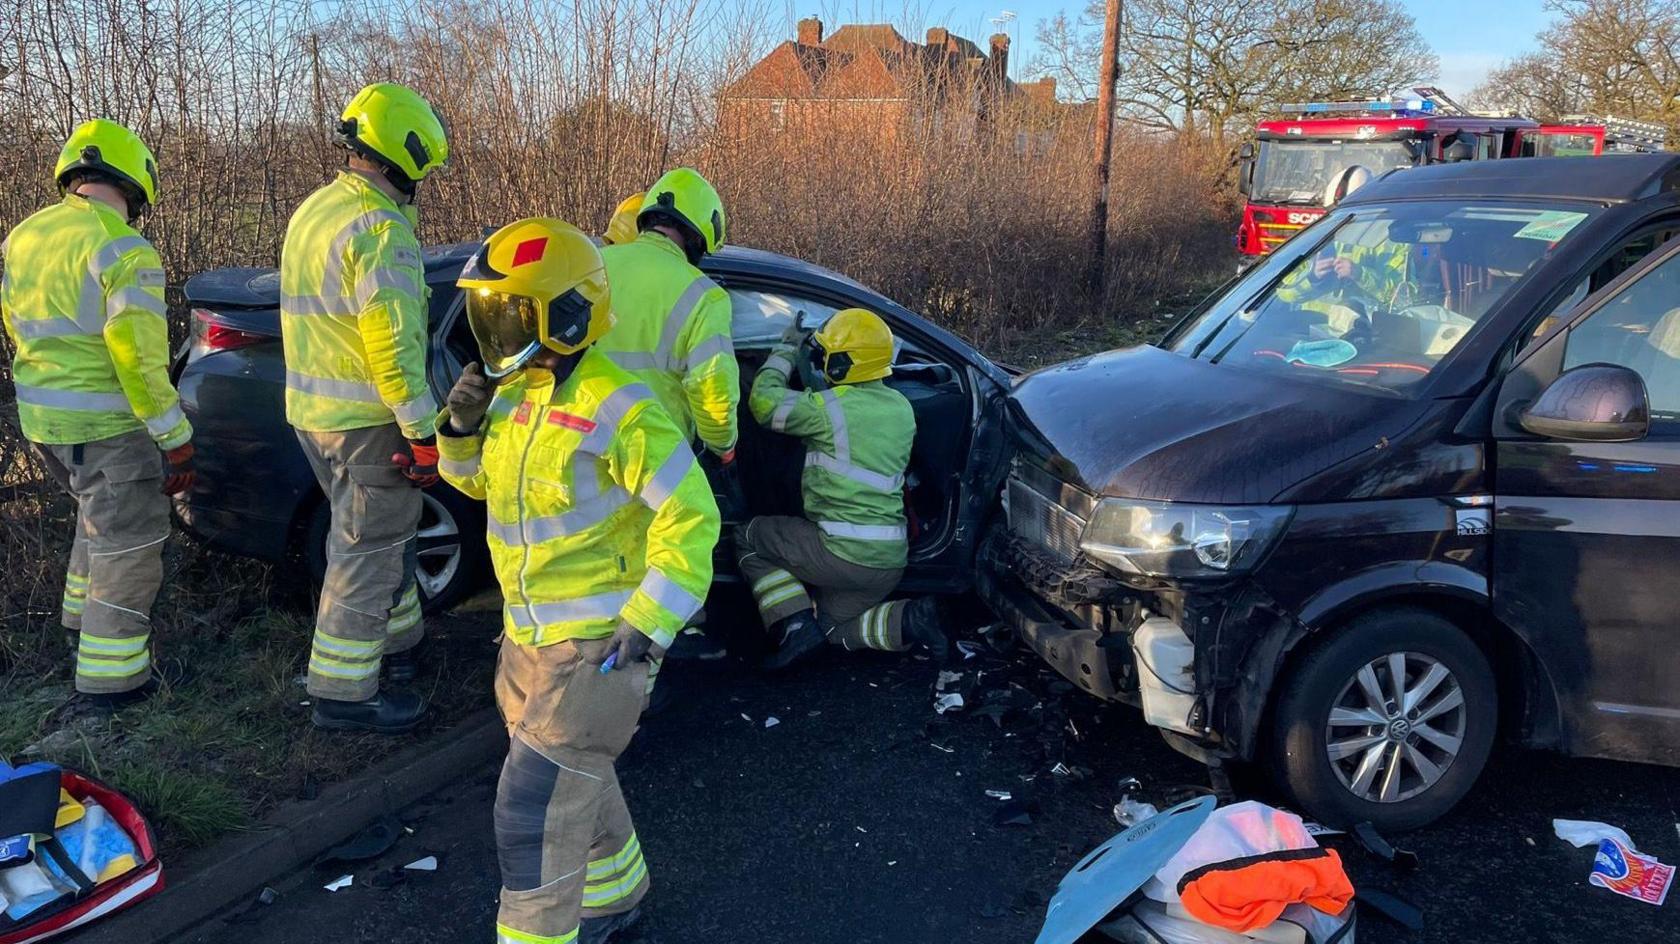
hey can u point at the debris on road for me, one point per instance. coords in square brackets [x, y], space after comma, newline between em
[1129, 812]
[427, 864]
[267, 896]
[999, 794]
[969, 650]
[946, 680]
[343, 881]
[373, 841]
[950, 701]
[772, 721]
[1586, 832]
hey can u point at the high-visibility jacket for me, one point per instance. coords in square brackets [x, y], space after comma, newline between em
[598, 510]
[672, 332]
[353, 313]
[1380, 273]
[82, 297]
[857, 446]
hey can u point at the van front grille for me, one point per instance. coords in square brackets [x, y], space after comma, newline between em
[1035, 518]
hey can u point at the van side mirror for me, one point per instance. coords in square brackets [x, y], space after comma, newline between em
[1591, 403]
[1245, 168]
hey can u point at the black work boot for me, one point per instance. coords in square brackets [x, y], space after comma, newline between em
[607, 927]
[924, 625]
[384, 713]
[800, 635]
[112, 701]
[401, 667]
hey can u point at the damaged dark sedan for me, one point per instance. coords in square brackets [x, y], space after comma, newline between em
[1401, 489]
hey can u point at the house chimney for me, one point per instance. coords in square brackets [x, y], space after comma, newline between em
[1000, 54]
[938, 36]
[810, 31]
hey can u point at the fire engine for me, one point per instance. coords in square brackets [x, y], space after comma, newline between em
[1587, 136]
[1284, 176]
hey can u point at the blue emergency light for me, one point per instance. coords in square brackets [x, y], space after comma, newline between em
[1397, 108]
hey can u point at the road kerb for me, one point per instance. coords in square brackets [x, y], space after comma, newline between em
[235, 870]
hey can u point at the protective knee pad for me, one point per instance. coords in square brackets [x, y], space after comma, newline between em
[522, 798]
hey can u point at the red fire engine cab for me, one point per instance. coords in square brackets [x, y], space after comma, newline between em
[1588, 136]
[1285, 172]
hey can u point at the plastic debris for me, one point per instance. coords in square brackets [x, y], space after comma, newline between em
[999, 794]
[892, 862]
[946, 680]
[941, 747]
[1630, 873]
[861, 830]
[969, 650]
[1586, 832]
[772, 721]
[343, 881]
[745, 718]
[267, 896]
[1129, 812]
[427, 864]
[950, 701]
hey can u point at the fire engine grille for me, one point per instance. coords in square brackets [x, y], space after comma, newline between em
[1035, 518]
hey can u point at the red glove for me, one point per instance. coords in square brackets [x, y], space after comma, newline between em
[421, 466]
[181, 474]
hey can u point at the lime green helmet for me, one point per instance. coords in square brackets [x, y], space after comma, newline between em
[112, 150]
[687, 200]
[393, 126]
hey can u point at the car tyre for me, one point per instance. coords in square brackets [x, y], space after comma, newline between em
[453, 552]
[1397, 763]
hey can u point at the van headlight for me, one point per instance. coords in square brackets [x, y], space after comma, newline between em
[1171, 539]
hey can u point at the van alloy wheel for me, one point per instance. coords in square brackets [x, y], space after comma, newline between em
[1396, 727]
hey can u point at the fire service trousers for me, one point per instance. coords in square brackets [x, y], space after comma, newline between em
[791, 571]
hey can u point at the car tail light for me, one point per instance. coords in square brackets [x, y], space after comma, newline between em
[211, 335]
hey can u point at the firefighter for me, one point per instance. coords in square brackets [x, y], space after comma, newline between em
[621, 229]
[824, 576]
[672, 322]
[82, 298]
[672, 327]
[601, 529]
[353, 319]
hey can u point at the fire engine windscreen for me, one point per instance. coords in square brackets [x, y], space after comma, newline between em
[1296, 172]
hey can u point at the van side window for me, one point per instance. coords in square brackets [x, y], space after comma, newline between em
[1622, 259]
[1638, 329]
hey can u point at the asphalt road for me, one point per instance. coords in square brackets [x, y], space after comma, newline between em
[862, 816]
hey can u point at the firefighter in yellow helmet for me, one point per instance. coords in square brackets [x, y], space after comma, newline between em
[621, 229]
[601, 528]
[353, 319]
[82, 297]
[824, 576]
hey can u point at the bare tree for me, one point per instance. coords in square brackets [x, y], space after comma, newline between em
[1607, 57]
[1211, 66]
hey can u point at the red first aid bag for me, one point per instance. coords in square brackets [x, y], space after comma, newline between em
[73, 911]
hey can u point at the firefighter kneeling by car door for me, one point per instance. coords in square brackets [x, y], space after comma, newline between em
[824, 576]
[601, 529]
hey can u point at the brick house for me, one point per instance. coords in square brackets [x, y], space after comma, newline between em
[870, 76]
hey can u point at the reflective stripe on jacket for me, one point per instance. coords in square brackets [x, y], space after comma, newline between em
[857, 446]
[82, 297]
[353, 313]
[598, 510]
[672, 333]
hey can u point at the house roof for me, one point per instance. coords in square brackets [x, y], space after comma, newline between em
[869, 60]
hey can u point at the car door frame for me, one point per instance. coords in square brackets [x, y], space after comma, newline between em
[1585, 727]
[951, 568]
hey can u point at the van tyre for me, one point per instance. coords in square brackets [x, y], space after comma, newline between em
[1353, 746]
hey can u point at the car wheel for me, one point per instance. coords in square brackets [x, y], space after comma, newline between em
[452, 552]
[1389, 721]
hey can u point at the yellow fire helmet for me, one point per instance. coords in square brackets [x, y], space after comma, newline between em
[689, 201]
[622, 228]
[393, 125]
[113, 150]
[854, 346]
[533, 284]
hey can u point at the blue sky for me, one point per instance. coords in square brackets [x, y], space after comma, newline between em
[1470, 36]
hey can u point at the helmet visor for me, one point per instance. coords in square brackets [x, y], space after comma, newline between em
[505, 327]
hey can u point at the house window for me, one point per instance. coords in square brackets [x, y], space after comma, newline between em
[778, 114]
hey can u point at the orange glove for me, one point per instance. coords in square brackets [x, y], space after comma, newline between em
[421, 466]
[181, 474]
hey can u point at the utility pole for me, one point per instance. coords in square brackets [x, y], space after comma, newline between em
[1105, 145]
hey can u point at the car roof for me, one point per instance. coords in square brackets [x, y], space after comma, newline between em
[1612, 178]
[733, 260]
